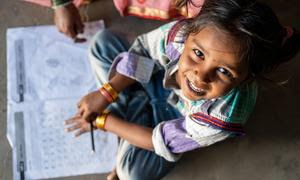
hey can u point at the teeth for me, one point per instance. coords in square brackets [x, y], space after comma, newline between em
[195, 88]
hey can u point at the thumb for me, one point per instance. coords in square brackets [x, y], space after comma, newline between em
[86, 115]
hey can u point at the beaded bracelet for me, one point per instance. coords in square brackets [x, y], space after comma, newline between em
[100, 121]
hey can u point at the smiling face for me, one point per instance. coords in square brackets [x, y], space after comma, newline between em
[209, 66]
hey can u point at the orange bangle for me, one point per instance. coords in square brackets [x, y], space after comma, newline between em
[107, 96]
[113, 93]
[100, 121]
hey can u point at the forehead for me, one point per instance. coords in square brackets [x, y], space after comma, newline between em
[216, 40]
[216, 44]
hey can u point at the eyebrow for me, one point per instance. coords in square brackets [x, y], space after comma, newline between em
[200, 46]
[222, 61]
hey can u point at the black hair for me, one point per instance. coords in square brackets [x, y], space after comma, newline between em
[254, 26]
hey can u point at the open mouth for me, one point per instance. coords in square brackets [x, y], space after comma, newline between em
[198, 91]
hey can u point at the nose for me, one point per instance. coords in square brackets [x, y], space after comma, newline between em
[203, 73]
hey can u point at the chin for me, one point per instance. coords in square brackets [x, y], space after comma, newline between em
[192, 97]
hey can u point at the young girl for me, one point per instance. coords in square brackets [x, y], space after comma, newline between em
[185, 85]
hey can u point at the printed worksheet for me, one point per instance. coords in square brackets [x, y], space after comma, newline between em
[47, 75]
[52, 152]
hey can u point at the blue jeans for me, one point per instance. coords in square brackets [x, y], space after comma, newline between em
[144, 104]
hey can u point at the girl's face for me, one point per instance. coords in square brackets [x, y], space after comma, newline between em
[209, 66]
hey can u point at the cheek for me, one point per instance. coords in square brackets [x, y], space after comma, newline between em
[185, 63]
[179, 74]
[182, 71]
[221, 89]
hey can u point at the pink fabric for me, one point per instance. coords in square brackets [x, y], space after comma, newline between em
[192, 9]
[121, 5]
[47, 3]
[164, 5]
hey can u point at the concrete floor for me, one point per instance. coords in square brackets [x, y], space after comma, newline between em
[269, 151]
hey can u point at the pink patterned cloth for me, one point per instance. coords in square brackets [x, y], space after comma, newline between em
[151, 9]
[47, 3]
[157, 9]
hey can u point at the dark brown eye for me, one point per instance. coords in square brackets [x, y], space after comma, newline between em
[225, 72]
[198, 53]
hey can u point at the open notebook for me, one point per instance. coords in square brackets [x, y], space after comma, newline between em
[47, 75]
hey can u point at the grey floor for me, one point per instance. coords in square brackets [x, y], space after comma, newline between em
[269, 151]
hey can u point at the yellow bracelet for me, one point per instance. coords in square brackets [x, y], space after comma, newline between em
[111, 91]
[100, 121]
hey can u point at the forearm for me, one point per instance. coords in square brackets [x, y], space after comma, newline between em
[135, 134]
[119, 82]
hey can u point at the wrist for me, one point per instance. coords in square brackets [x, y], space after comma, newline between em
[109, 93]
[101, 121]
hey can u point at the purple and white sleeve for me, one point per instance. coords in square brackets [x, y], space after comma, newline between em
[171, 138]
[137, 67]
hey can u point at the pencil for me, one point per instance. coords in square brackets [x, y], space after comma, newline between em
[92, 137]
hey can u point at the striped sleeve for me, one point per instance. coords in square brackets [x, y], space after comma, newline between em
[172, 138]
[235, 128]
[136, 67]
[146, 54]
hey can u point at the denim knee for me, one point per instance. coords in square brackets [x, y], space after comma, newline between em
[105, 46]
[103, 49]
[139, 164]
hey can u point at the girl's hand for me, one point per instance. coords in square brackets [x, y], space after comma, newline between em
[91, 105]
[79, 125]
[68, 21]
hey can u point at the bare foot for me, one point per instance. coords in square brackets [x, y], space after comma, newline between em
[112, 175]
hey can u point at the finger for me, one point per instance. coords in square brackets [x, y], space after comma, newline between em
[77, 114]
[88, 116]
[79, 27]
[71, 33]
[85, 116]
[94, 124]
[80, 112]
[72, 128]
[75, 30]
[72, 120]
[79, 40]
[81, 131]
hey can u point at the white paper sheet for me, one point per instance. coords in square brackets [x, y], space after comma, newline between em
[57, 74]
